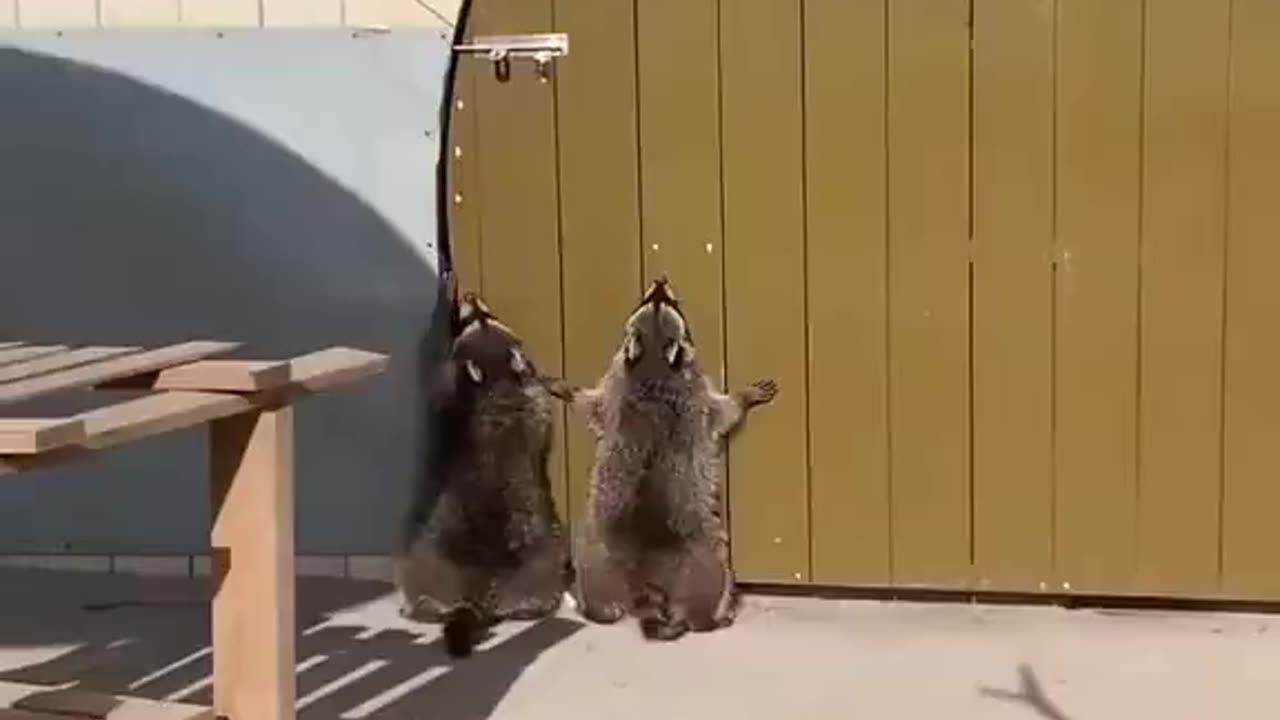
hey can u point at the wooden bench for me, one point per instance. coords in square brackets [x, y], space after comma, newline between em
[247, 407]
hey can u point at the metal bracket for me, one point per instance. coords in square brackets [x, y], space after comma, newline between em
[500, 49]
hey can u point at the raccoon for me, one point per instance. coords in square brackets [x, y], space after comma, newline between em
[490, 545]
[653, 543]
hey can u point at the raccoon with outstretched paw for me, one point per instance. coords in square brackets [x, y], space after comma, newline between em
[653, 544]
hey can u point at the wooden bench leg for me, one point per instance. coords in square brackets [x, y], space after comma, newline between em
[251, 472]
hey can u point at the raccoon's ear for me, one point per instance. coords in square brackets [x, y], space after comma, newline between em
[631, 348]
[473, 370]
[519, 364]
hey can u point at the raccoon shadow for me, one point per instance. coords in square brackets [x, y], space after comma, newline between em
[1030, 692]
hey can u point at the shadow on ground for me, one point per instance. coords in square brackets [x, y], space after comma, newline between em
[1030, 692]
[148, 637]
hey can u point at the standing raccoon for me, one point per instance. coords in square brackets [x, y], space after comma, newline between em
[653, 543]
[491, 547]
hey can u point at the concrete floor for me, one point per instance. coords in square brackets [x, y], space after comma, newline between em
[791, 658]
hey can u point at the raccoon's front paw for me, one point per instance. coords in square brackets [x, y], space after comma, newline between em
[761, 392]
[561, 388]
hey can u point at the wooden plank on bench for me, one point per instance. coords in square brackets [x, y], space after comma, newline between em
[28, 352]
[335, 366]
[220, 375]
[25, 437]
[75, 704]
[176, 410]
[113, 369]
[6, 344]
[60, 361]
[312, 372]
[136, 419]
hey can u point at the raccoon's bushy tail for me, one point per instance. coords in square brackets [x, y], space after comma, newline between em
[464, 627]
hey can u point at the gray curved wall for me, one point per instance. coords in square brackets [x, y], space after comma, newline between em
[269, 186]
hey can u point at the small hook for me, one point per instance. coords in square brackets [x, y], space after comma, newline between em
[502, 69]
[542, 65]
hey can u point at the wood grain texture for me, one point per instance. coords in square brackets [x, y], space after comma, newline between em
[1099, 151]
[1183, 251]
[763, 176]
[845, 160]
[1013, 197]
[929, 290]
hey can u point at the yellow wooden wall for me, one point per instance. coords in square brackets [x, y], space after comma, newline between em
[37, 14]
[1013, 263]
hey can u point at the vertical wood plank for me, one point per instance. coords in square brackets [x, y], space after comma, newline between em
[929, 290]
[599, 198]
[516, 138]
[679, 90]
[252, 488]
[1013, 294]
[1183, 231]
[8, 13]
[393, 13]
[1099, 150]
[279, 13]
[463, 195]
[140, 13]
[222, 13]
[847, 273]
[762, 96]
[34, 14]
[1250, 532]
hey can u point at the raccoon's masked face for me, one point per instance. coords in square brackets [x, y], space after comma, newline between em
[658, 340]
[485, 350]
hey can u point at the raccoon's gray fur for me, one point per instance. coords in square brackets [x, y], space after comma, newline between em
[490, 547]
[653, 543]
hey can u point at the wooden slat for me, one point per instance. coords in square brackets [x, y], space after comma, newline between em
[760, 67]
[59, 361]
[57, 13]
[519, 200]
[7, 344]
[599, 200]
[170, 411]
[464, 181]
[113, 369]
[1183, 233]
[280, 13]
[28, 352]
[680, 162]
[8, 18]
[223, 375]
[73, 703]
[848, 383]
[225, 13]
[1099, 145]
[139, 13]
[23, 436]
[1250, 533]
[929, 290]
[11, 714]
[1013, 295]
[393, 13]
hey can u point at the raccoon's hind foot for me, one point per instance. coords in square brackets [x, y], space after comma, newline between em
[662, 630]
